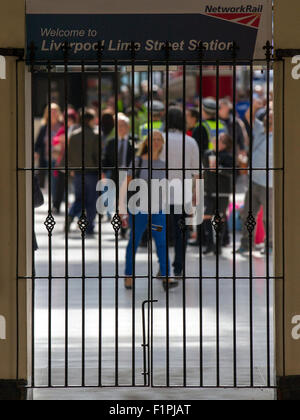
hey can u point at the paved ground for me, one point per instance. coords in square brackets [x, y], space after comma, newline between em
[153, 394]
[244, 289]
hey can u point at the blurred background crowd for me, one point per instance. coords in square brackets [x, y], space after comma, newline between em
[220, 139]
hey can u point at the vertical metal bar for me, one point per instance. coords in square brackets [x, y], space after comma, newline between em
[150, 137]
[200, 231]
[219, 227]
[32, 59]
[99, 216]
[148, 355]
[283, 221]
[49, 232]
[268, 57]
[168, 220]
[144, 345]
[150, 375]
[184, 229]
[133, 216]
[116, 236]
[66, 217]
[234, 51]
[251, 231]
[83, 91]
[17, 221]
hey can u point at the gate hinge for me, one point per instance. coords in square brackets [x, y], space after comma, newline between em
[12, 52]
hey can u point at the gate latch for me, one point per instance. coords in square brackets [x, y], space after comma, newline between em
[145, 344]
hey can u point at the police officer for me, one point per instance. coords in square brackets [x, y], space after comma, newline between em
[157, 123]
[205, 134]
[140, 115]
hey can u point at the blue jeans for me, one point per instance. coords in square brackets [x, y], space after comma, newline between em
[90, 198]
[141, 224]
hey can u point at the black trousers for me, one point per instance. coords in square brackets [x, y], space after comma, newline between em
[59, 190]
[180, 240]
[210, 210]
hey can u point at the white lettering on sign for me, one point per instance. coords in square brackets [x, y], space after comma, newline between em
[2, 67]
[2, 328]
[296, 69]
[296, 329]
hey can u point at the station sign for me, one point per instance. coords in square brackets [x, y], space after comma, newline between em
[119, 26]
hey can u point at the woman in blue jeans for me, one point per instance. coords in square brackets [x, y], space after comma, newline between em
[158, 220]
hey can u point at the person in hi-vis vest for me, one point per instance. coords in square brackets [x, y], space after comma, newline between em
[205, 133]
[157, 120]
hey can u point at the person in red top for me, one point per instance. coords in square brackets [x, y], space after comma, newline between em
[58, 152]
[192, 119]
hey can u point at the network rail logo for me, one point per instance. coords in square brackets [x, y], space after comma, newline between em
[243, 15]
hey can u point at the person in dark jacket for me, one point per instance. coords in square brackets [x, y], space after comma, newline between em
[204, 134]
[58, 152]
[192, 120]
[239, 130]
[41, 147]
[125, 149]
[91, 167]
[224, 179]
[108, 127]
[225, 112]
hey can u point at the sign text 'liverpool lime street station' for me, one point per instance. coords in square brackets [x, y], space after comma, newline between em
[216, 27]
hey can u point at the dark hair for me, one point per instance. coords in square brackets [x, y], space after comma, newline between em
[88, 116]
[194, 113]
[228, 141]
[107, 123]
[73, 117]
[175, 118]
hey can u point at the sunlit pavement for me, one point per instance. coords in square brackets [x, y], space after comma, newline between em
[197, 372]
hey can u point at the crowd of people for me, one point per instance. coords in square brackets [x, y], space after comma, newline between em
[208, 143]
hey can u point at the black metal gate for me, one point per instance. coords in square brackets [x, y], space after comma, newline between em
[216, 328]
